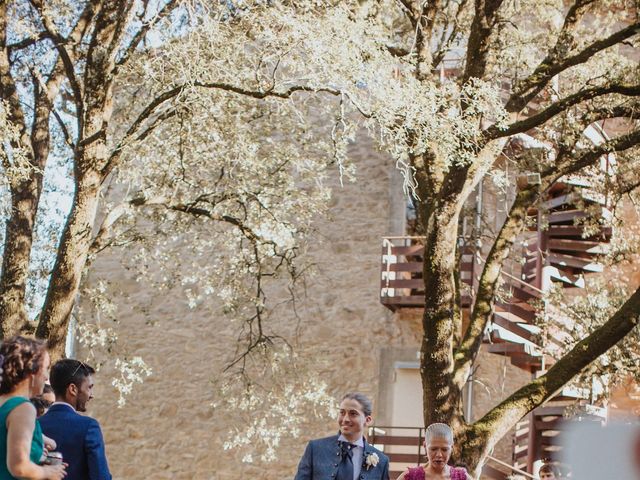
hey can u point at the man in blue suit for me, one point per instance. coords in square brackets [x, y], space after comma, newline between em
[79, 438]
[346, 456]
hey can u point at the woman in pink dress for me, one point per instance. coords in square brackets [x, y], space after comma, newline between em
[438, 441]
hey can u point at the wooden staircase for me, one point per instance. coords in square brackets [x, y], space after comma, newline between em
[567, 235]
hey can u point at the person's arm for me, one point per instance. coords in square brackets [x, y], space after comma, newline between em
[21, 423]
[95, 454]
[305, 467]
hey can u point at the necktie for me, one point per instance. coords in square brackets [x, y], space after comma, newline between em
[345, 467]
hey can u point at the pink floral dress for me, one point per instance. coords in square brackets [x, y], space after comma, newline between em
[417, 473]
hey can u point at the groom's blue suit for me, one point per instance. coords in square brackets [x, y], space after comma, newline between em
[79, 439]
[322, 456]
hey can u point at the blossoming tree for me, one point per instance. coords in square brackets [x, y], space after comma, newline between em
[204, 120]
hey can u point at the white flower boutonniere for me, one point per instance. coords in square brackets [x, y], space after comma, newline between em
[371, 460]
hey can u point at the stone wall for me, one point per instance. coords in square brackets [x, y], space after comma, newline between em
[168, 428]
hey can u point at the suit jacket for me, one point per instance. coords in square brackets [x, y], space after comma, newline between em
[322, 456]
[79, 439]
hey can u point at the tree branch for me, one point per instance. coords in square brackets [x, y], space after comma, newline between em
[175, 92]
[556, 62]
[424, 32]
[488, 283]
[560, 106]
[59, 43]
[444, 46]
[486, 15]
[499, 420]
[140, 34]
[572, 162]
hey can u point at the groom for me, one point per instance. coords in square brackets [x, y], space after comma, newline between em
[346, 456]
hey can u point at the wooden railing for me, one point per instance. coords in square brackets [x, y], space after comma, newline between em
[401, 281]
[403, 446]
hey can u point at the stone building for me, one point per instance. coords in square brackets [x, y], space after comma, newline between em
[169, 429]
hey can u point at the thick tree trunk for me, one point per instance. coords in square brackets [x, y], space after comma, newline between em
[25, 197]
[15, 261]
[441, 403]
[69, 265]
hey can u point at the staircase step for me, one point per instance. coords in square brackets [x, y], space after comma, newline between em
[574, 197]
[585, 264]
[550, 410]
[573, 181]
[566, 278]
[575, 231]
[523, 293]
[586, 246]
[566, 216]
[519, 310]
[514, 328]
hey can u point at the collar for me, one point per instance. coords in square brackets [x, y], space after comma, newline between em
[63, 403]
[358, 443]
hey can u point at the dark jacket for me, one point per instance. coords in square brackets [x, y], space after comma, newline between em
[80, 441]
[321, 457]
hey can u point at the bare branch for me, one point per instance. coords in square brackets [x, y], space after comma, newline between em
[558, 107]
[556, 62]
[175, 92]
[499, 419]
[59, 42]
[572, 162]
[445, 45]
[140, 34]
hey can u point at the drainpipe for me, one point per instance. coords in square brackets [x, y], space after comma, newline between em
[478, 245]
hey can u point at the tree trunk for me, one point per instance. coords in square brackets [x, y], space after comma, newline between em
[70, 262]
[15, 261]
[441, 403]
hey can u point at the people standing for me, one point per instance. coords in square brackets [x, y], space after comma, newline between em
[347, 455]
[438, 441]
[79, 437]
[25, 371]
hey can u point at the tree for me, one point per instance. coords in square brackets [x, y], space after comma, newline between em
[548, 69]
[123, 88]
[79, 92]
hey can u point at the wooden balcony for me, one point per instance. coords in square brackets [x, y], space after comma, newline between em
[401, 282]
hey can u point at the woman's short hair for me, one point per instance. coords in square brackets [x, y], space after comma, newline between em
[22, 357]
[549, 468]
[440, 431]
[363, 400]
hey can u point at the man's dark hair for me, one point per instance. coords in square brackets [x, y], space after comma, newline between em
[67, 371]
[362, 399]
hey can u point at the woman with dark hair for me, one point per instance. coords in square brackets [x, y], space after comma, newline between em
[25, 371]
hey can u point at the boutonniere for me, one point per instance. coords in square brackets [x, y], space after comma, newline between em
[371, 460]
